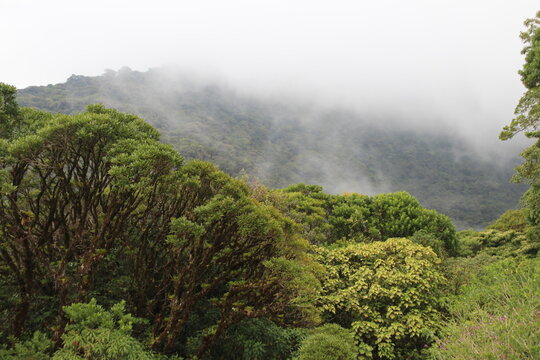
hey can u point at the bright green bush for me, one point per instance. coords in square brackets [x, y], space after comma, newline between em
[387, 292]
[92, 333]
[328, 342]
[98, 334]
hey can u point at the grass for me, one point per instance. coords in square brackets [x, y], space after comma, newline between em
[497, 315]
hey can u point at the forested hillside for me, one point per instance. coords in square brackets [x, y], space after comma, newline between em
[115, 247]
[284, 143]
[158, 216]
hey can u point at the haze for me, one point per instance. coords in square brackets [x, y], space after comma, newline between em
[428, 63]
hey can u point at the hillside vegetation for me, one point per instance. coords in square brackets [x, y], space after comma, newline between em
[113, 246]
[285, 143]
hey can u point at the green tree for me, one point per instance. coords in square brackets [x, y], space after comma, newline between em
[511, 220]
[93, 205]
[247, 255]
[352, 218]
[62, 209]
[387, 292]
[308, 206]
[528, 120]
[401, 215]
[9, 110]
[326, 219]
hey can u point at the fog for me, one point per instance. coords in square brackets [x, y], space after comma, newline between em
[431, 64]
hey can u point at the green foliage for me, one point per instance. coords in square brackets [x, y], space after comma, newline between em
[400, 215]
[9, 110]
[262, 271]
[64, 204]
[459, 271]
[307, 205]
[528, 109]
[510, 235]
[528, 119]
[328, 219]
[328, 342]
[511, 220]
[495, 242]
[427, 239]
[387, 293]
[257, 339]
[530, 74]
[531, 200]
[36, 348]
[496, 316]
[352, 217]
[93, 205]
[98, 334]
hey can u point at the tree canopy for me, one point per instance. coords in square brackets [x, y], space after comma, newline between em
[93, 205]
[327, 219]
[113, 246]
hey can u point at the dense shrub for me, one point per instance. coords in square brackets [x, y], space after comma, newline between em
[328, 342]
[387, 292]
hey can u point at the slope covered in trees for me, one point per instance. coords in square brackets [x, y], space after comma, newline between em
[282, 143]
[113, 246]
[95, 210]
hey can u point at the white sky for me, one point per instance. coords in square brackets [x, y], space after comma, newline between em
[450, 60]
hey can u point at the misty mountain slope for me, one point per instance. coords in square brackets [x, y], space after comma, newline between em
[283, 143]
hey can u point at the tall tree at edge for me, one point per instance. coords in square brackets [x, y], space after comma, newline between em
[527, 120]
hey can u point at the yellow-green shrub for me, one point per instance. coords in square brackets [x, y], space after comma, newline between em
[387, 292]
